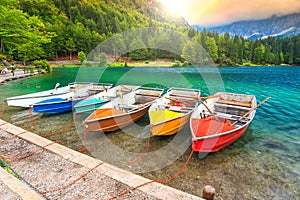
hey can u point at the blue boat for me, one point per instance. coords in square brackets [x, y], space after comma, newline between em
[54, 106]
[94, 102]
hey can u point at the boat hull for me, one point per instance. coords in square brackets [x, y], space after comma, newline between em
[114, 122]
[169, 127]
[54, 106]
[215, 144]
[221, 121]
[28, 100]
[88, 106]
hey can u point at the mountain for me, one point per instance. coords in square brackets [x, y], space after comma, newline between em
[279, 27]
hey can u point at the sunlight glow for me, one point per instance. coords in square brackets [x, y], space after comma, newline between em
[174, 6]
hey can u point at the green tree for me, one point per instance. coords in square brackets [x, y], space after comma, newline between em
[70, 46]
[258, 56]
[103, 59]
[21, 33]
[212, 49]
[189, 52]
[138, 50]
[81, 56]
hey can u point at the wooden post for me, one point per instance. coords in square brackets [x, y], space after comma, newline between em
[208, 192]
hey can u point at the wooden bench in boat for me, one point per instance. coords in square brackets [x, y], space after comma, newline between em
[147, 94]
[232, 106]
[235, 103]
[227, 116]
[182, 95]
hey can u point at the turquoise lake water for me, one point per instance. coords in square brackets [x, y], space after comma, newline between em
[263, 164]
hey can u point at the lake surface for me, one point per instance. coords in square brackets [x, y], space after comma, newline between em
[263, 164]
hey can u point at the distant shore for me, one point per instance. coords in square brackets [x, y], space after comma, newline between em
[76, 63]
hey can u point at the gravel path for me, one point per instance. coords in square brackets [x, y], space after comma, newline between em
[47, 171]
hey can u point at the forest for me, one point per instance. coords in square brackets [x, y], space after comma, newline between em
[54, 29]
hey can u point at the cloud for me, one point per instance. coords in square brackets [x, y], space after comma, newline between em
[217, 12]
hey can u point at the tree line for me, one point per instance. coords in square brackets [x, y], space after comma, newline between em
[40, 29]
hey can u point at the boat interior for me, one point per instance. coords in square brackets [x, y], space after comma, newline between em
[232, 107]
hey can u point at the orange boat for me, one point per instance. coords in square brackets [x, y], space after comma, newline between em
[221, 120]
[170, 113]
[123, 110]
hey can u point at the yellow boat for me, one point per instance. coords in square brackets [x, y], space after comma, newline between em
[170, 113]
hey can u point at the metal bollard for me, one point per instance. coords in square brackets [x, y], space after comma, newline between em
[208, 192]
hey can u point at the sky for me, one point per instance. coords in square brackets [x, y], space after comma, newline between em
[220, 12]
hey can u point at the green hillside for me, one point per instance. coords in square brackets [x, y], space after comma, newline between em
[32, 29]
[55, 29]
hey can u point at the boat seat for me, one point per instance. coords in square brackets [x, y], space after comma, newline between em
[182, 96]
[147, 94]
[228, 116]
[235, 103]
[232, 106]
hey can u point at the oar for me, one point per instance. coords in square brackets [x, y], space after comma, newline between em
[209, 110]
[122, 86]
[56, 86]
[211, 97]
[121, 98]
[250, 111]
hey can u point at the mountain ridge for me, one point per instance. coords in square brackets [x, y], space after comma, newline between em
[274, 26]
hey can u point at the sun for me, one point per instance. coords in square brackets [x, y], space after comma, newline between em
[174, 6]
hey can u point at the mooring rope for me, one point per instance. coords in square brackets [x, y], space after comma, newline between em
[3, 123]
[3, 108]
[14, 136]
[74, 181]
[140, 158]
[31, 116]
[70, 126]
[14, 158]
[155, 181]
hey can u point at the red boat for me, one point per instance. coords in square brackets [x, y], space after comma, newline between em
[221, 120]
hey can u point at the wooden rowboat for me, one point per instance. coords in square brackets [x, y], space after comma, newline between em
[221, 120]
[95, 101]
[170, 113]
[66, 92]
[54, 106]
[123, 110]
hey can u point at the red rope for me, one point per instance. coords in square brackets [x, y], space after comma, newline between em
[140, 158]
[3, 108]
[72, 182]
[157, 181]
[26, 155]
[3, 123]
[14, 136]
[62, 131]
[84, 149]
[31, 116]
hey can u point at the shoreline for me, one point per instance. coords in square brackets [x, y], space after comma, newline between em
[46, 170]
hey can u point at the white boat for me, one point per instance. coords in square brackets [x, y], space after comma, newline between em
[95, 101]
[67, 92]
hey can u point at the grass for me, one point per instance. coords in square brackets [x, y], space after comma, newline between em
[5, 166]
